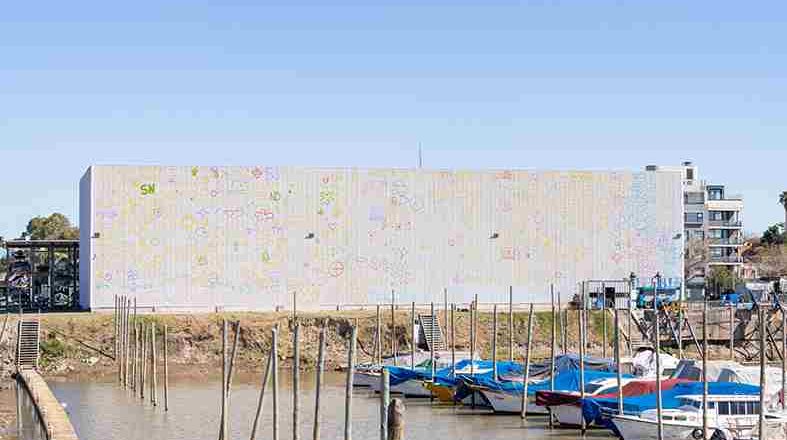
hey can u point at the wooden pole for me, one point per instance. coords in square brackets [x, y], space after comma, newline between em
[396, 411]
[231, 368]
[657, 345]
[763, 381]
[275, 380]
[494, 341]
[144, 361]
[385, 399]
[133, 347]
[510, 323]
[224, 404]
[393, 328]
[319, 380]
[704, 367]
[732, 333]
[563, 314]
[526, 378]
[581, 313]
[784, 358]
[261, 399]
[154, 375]
[618, 372]
[166, 370]
[431, 344]
[412, 335]
[552, 352]
[115, 323]
[378, 346]
[453, 341]
[680, 331]
[296, 381]
[445, 310]
[604, 321]
[348, 390]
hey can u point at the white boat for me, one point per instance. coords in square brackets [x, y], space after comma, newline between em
[570, 414]
[735, 415]
[510, 403]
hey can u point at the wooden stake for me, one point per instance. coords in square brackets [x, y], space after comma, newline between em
[431, 345]
[378, 346]
[412, 331]
[275, 379]
[154, 374]
[224, 404]
[385, 398]
[784, 358]
[581, 316]
[396, 413]
[619, 373]
[510, 323]
[704, 366]
[393, 328]
[144, 360]
[348, 390]
[260, 401]
[494, 342]
[526, 379]
[732, 333]
[166, 371]
[296, 381]
[320, 375]
[604, 321]
[453, 342]
[657, 345]
[763, 381]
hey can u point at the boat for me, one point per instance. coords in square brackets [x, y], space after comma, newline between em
[506, 397]
[567, 406]
[735, 415]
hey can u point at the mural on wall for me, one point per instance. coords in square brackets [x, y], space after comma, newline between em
[257, 236]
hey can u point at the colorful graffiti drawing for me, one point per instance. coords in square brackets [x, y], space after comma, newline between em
[247, 237]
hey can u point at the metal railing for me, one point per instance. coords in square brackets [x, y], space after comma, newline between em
[725, 241]
[726, 259]
[726, 223]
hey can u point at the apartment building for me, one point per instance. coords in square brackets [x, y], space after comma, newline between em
[712, 217]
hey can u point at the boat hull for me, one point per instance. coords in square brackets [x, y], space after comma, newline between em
[508, 403]
[635, 428]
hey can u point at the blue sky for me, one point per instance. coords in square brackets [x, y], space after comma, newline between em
[543, 84]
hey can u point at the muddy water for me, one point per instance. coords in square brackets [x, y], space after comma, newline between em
[102, 411]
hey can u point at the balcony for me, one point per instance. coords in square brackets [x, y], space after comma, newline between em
[725, 259]
[730, 223]
[727, 241]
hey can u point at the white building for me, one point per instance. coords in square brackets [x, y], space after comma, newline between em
[201, 238]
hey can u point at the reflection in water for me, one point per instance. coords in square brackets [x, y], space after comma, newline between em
[28, 424]
[102, 411]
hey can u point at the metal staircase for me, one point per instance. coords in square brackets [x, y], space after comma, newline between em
[27, 345]
[431, 333]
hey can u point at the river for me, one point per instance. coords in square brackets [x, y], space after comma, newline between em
[103, 411]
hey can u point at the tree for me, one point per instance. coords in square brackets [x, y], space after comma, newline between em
[720, 278]
[783, 202]
[773, 235]
[55, 227]
[695, 257]
[772, 261]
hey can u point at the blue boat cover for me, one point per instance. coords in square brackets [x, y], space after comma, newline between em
[596, 409]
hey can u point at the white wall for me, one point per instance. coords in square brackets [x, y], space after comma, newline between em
[201, 237]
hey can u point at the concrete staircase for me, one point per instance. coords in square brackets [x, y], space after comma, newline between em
[431, 333]
[27, 345]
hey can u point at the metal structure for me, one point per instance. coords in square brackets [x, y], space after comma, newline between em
[42, 275]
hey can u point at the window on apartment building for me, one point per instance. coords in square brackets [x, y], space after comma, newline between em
[693, 217]
[689, 173]
[716, 215]
[715, 194]
[699, 235]
[716, 233]
[716, 252]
